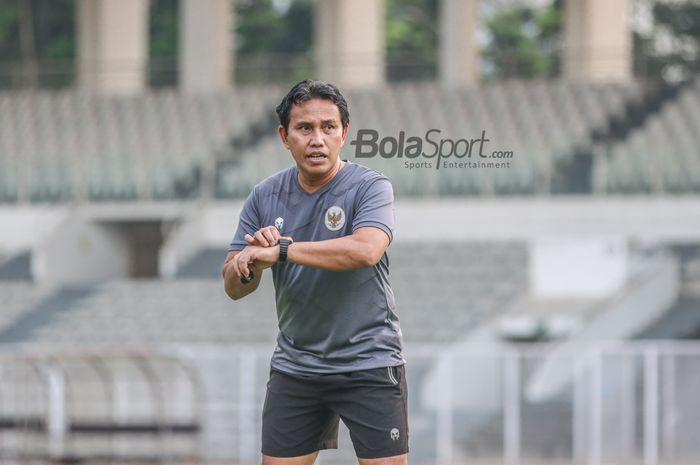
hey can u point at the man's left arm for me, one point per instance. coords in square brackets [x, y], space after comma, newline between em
[362, 249]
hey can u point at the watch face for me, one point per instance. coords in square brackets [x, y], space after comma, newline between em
[247, 279]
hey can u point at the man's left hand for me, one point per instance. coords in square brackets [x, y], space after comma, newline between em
[253, 255]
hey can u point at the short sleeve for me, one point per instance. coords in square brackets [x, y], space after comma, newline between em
[376, 207]
[248, 223]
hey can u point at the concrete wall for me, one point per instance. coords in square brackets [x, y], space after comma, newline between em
[21, 228]
[577, 267]
[81, 251]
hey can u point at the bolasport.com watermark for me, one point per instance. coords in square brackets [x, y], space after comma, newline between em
[432, 151]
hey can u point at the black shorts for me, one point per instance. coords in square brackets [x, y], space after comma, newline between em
[301, 414]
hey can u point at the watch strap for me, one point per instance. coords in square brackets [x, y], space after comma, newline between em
[284, 246]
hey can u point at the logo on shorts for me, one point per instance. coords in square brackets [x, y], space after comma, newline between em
[279, 223]
[394, 433]
[335, 218]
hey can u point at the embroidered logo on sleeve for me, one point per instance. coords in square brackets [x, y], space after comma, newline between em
[279, 223]
[335, 218]
[394, 434]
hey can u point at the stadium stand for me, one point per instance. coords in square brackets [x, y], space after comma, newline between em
[158, 145]
[150, 146]
[59, 146]
[482, 278]
[544, 123]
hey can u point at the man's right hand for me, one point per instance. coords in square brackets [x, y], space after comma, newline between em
[268, 236]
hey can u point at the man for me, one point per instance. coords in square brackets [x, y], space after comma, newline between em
[323, 227]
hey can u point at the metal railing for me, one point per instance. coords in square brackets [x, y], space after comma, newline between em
[616, 402]
[100, 405]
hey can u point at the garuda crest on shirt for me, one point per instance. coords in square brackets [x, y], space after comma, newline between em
[334, 218]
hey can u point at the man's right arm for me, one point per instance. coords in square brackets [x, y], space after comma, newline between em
[232, 283]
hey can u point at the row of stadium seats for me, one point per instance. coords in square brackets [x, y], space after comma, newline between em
[66, 145]
[542, 123]
[472, 282]
[55, 145]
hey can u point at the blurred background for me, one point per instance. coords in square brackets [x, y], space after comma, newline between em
[550, 308]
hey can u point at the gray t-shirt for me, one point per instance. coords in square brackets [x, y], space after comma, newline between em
[329, 322]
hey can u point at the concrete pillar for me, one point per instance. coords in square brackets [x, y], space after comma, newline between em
[349, 41]
[459, 52]
[597, 40]
[112, 45]
[206, 45]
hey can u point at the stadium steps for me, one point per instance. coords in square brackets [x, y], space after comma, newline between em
[16, 268]
[32, 319]
[203, 265]
[637, 111]
[17, 298]
[644, 137]
[660, 154]
[681, 322]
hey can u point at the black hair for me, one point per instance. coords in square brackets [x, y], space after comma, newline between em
[306, 90]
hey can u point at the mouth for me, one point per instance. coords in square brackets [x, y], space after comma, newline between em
[316, 156]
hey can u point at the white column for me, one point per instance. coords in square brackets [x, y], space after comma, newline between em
[206, 45]
[597, 40]
[459, 52]
[349, 41]
[112, 45]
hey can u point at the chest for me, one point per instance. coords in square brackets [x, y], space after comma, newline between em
[312, 218]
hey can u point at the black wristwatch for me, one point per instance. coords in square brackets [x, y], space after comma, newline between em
[284, 246]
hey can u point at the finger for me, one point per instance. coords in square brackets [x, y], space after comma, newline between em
[289, 238]
[234, 265]
[261, 238]
[245, 271]
[270, 235]
[249, 239]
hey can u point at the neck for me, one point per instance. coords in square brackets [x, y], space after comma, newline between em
[311, 185]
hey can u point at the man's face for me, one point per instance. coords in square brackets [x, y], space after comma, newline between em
[315, 136]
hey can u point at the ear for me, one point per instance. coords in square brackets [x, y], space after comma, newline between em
[283, 135]
[345, 134]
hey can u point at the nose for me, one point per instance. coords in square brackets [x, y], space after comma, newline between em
[316, 138]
